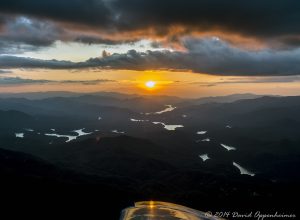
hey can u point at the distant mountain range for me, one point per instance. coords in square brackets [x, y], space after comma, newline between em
[227, 98]
[52, 94]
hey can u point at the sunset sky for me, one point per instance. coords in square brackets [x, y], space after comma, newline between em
[188, 48]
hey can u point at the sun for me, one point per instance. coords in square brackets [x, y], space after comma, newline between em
[150, 84]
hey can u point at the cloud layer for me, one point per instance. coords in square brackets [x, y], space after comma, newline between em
[275, 17]
[22, 81]
[109, 21]
[27, 25]
[210, 56]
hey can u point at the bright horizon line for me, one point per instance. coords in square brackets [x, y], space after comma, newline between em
[136, 94]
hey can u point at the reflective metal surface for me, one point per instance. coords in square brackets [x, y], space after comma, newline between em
[154, 210]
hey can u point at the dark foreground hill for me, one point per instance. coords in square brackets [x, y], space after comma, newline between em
[104, 196]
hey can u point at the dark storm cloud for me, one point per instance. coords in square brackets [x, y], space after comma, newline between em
[88, 39]
[255, 17]
[92, 12]
[85, 82]
[210, 56]
[18, 81]
[9, 47]
[262, 19]
[23, 62]
[20, 34]
[22, 30]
